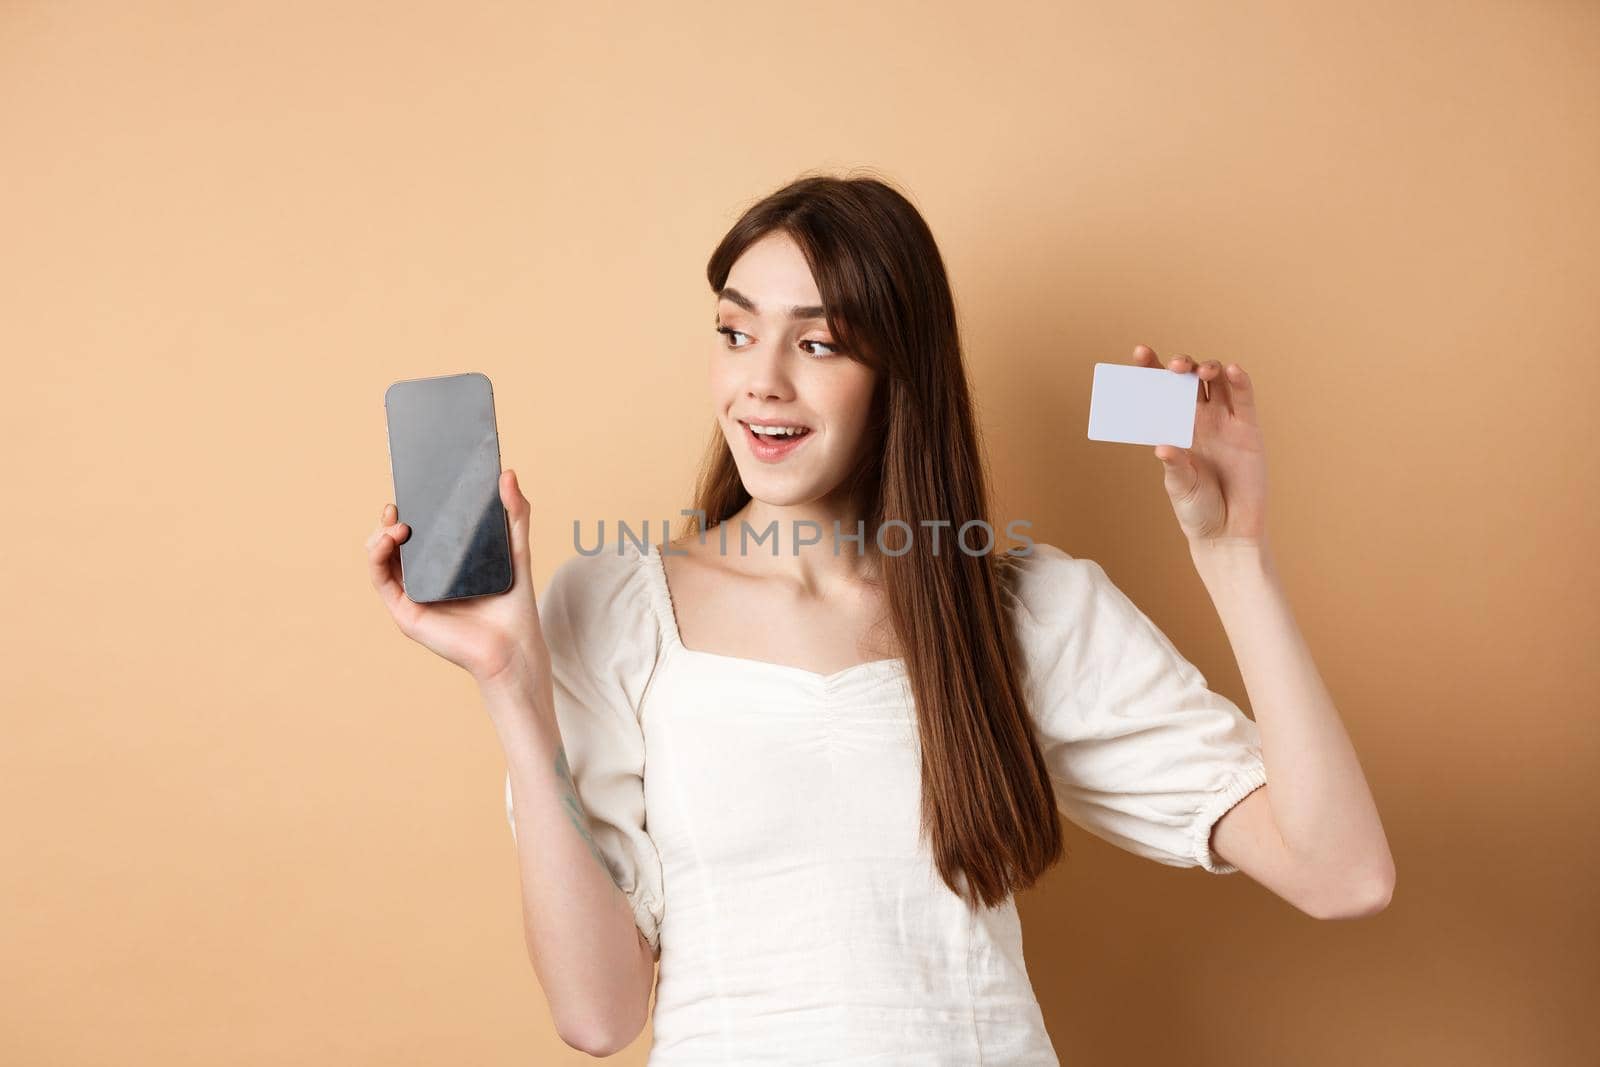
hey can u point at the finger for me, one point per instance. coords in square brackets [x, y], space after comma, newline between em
[1145, 356]
[1241, 391]
[1183, 365]
[381, 569]
[1173, 456]
[1178, 471]
[385, 518]
[1210, 371]
[399, 529]
[517, 512]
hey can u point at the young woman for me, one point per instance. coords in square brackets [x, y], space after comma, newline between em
[808, 773]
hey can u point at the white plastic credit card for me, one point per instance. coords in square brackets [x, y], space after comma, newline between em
[1142, 405]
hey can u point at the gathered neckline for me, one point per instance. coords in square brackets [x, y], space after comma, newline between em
[651, 560]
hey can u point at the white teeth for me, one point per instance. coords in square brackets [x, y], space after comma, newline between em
[776, 431]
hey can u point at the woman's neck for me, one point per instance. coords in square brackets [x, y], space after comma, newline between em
[799, 541]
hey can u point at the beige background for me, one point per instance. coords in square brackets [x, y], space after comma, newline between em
[247, 822]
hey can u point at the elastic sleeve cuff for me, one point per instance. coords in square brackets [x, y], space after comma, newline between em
[1243, 782]
[511, 817]
[644, 917]
[645, 907]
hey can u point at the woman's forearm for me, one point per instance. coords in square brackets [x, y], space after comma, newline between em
[1320, 800]
[595, 966]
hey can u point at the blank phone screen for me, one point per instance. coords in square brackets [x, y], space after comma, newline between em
[444, 452]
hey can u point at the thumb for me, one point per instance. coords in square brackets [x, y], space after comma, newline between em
[1173, 458]
[517, 511]
[1180, 475]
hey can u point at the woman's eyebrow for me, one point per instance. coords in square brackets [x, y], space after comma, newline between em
[805, 311]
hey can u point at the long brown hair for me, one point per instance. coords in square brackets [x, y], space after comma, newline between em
[988, 809]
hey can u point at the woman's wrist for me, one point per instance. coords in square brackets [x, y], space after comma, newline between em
[518, 671]
[519, 701]
[1240, 553]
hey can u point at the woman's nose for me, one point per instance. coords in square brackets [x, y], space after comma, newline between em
[767, 376]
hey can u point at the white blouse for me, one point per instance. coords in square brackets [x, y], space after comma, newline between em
[781, 875]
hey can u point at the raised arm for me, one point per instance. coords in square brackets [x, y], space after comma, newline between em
[583, 933]
[594, 964]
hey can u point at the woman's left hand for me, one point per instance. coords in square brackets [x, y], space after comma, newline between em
[1218, 486]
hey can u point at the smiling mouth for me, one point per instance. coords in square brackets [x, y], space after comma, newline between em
[790, 433]
[771, 448]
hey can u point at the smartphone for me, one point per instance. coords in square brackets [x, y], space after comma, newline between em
[444, 454]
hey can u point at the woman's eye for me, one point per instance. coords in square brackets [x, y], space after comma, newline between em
[730, 334]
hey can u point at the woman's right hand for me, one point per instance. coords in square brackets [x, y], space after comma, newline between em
[495, 638]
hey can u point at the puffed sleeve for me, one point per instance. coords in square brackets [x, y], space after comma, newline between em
[1142, 753]
[604, 639]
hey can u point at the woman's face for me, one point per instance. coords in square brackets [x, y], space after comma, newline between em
[775, 367]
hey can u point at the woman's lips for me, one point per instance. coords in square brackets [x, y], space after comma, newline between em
[770, 450]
